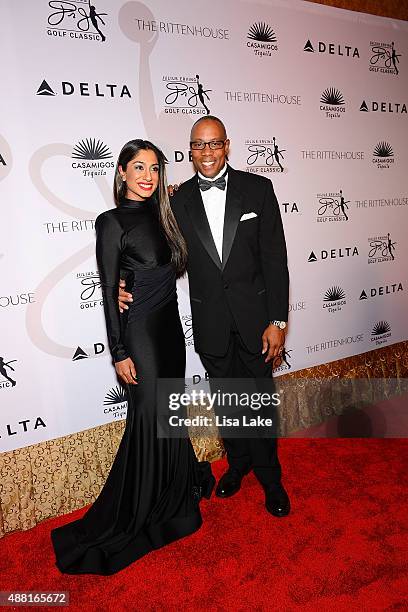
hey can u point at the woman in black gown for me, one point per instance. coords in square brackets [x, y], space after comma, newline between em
[152, 492]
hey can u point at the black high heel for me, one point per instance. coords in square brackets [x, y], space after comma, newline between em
[207, 486]
[206, 479]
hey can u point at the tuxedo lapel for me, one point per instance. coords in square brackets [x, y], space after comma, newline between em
[233, 209]
[197, 214]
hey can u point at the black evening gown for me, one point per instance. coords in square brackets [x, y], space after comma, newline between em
[152, 493]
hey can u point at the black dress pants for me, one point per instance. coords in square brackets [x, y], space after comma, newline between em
[244, 454]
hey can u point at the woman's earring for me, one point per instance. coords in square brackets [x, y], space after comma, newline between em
[124, 179]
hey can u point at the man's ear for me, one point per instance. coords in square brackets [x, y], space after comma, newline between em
[227, 146]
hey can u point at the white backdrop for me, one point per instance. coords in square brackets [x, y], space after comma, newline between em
[313, 97]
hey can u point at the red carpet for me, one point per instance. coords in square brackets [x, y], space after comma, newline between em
[344, 547]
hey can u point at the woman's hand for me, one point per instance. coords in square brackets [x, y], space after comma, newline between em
[123, 296]
[126, 371]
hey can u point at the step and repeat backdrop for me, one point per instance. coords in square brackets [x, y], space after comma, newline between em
[313, 98]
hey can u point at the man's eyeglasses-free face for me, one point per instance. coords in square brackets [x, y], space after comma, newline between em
[199, 145]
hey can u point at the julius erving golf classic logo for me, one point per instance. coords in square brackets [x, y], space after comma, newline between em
[187, 95]
[187, 322]
[282, 362]
[76, 19]
[262, 39]
[384, 58]
[332, 206]
[381, 248]
[7, 373]
[264, 155]
[90, 290]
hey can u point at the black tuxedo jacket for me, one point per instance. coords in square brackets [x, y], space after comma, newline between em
[252, 281]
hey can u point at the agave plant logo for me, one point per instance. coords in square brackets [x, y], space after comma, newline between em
[93, 157]
[334, 299]
[332, 102]
[332, 96]
[380, 332]
[261, 32]
[333, 294]
[262, 39]
[383, 149]
[116, 395]
[115, 403]
[383, 155]
[380, 328]
[91, 149]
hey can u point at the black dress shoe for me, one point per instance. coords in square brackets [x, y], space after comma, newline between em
[277, 500]
[229, 483]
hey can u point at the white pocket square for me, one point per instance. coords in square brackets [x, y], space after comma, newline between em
[246, 216]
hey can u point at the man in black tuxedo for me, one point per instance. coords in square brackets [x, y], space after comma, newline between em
[239, 283]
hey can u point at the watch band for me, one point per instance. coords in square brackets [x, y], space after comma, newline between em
[280, 324]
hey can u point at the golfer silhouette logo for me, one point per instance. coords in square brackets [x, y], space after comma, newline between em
[395, 58]
[3, 371]
[201, 92]
[283, 359]
[390, 246]
[277, 154]
[343, 204]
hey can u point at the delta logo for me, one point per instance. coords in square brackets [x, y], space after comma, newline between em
[328, 254]
[397, 108]
[381, 291]
[329, 48]
[84, 89]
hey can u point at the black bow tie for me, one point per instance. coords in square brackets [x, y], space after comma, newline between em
[220, 182]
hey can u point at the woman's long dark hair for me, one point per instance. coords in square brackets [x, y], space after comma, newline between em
[175, 240]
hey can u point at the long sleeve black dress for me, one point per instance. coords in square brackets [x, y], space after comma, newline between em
[151, 495]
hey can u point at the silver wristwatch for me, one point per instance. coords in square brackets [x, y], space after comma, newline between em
[280, 324]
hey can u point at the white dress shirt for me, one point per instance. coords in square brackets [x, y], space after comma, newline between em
[214, 205]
